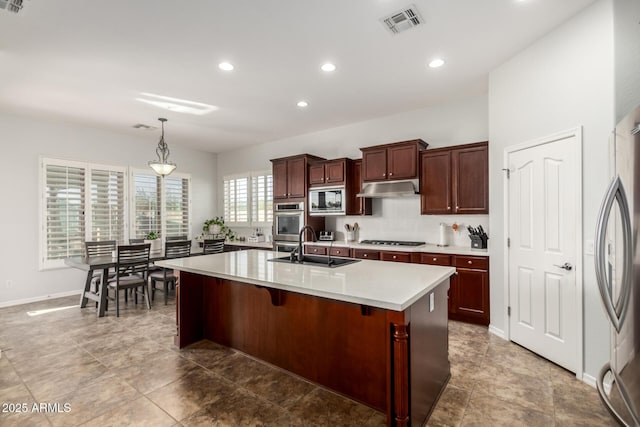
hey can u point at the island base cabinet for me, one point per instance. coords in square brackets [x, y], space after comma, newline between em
[393, 361]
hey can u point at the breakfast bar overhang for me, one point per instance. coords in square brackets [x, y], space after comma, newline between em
[373, 331]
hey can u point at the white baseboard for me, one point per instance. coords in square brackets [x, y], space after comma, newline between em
[590, 380]
[36, 299]
[497, 332]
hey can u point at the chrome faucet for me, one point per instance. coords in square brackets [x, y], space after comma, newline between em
[297, 253]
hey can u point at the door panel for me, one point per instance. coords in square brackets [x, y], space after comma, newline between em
[402, 162]
[296, 175]
[374, 163]
[280, 179]
[435, 182]
[542, 211]
[470, 180]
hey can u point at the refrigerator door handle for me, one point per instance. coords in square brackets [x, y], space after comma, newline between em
[624, 393]
[616, 311]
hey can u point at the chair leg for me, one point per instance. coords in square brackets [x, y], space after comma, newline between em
[166, 292]
[118, 301]
[146, 297]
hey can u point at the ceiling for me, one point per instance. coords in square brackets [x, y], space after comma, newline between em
[86, 62]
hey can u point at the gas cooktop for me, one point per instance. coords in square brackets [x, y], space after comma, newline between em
[391, 243]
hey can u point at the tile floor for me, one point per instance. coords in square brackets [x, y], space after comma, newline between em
[126, 371]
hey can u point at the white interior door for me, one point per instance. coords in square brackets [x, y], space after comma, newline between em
[543, 208]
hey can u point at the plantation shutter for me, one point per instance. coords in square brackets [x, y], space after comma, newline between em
[147, 205]
[262, 198]
[107, 205]
[236, 200]
[177, 206]
[64, 198]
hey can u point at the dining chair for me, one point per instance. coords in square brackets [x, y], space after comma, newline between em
[212, 246]
[173, 249]
[132, 268]
[174, 238]
[99, 248]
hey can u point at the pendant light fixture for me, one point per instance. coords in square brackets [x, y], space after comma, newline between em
[162, 166]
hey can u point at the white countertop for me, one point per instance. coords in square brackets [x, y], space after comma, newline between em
[387, 285]
[427, 247]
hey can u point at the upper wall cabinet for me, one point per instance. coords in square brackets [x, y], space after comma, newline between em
[356, 205]
[290, 176]
[391, 161]
[330, 172]
[455, 180]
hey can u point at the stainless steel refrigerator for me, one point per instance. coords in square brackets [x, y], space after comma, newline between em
[617, 259]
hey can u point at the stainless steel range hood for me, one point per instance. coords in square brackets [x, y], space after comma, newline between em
[378, 190]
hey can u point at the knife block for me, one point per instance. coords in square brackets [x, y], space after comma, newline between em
[478, 242]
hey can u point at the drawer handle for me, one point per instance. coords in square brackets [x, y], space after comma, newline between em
[469, 262]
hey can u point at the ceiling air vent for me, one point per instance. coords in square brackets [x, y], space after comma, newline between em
[143, 126]
[403, 20]
[14, 6]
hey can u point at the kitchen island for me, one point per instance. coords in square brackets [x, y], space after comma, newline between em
[373, 331]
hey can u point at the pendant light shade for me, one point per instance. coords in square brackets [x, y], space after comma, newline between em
[162, 166]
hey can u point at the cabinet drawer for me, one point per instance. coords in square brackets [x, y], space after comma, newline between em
[343, 252]
[477, 262]
[315, 250]
[395, 256]
[365, 254]
[435, 259]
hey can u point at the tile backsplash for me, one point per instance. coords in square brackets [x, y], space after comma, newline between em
[400, 219]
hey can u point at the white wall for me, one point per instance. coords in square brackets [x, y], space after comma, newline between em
[627, 55]
[458, 122]
[24, 140]
[563, 80]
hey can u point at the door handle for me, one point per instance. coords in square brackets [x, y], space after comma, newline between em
[616, 311]
[565, 266]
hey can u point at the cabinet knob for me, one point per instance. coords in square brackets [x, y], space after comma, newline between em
[390, 173]
[337, 252]
[435, 259]
[457, 207]
[384, 174]
[394, 257]
[366, 255]
[315, 250]
[469, 262]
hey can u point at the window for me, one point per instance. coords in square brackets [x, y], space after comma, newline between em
[80, 201]
[161, 205]
[248, 199]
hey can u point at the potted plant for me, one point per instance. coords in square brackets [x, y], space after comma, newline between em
[152, 238]
[215, 227]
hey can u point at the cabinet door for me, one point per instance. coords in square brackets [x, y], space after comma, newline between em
[280, 179]
[435, 182]
[296, 174]
[316, 174]
[471, 180]
[402, 162]
[374, 164]
[471, 296]
[395, 256]
[356, 205]
[335, 172]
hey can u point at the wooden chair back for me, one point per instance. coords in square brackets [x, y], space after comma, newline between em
[174, 238]
[212, 246]
[136, 241]
[133, 260]
[177, 249]
[99, 248]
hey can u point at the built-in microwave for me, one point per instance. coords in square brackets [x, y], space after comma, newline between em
[327, 201]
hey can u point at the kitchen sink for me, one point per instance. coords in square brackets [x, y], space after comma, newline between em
[320, 261]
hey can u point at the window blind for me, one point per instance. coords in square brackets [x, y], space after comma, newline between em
[236, 200]
[262, 198]
[147, 205]
[177, 206]
[64, 203]
[107, 205]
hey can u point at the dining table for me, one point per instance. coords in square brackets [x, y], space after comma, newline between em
[103, 264]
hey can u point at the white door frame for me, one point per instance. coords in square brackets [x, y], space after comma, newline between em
[577, 133]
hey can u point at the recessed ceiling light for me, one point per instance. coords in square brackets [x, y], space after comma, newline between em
[436, 63]
[302, 104]
[226, 66]
[176, 104]
[328, 67]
